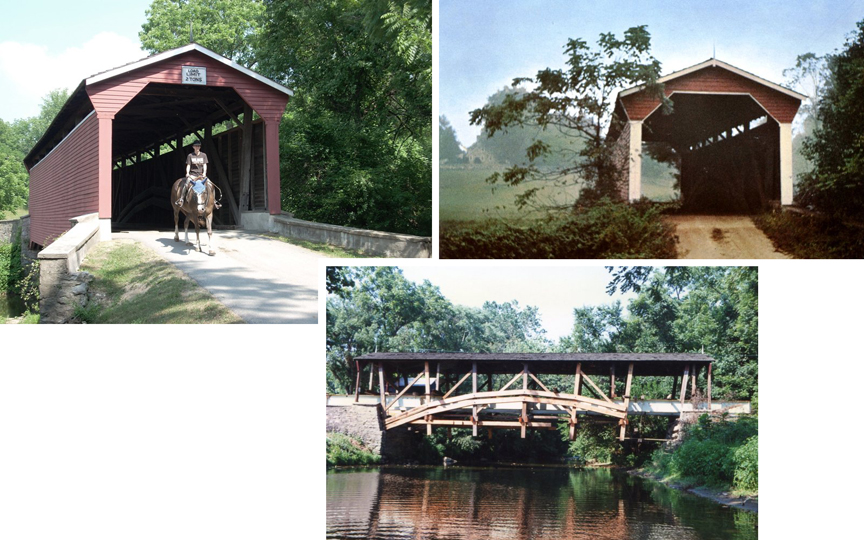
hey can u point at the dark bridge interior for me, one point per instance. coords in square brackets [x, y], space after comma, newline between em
[152, 137]
[727, 149]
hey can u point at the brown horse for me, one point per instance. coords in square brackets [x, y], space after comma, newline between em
[198, 208]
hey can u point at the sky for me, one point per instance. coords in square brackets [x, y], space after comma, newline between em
[45, 45]
[484, 44]
[555, 290]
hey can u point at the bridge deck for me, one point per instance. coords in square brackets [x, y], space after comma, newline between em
[648, 407]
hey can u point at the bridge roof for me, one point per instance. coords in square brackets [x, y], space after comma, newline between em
[645, 363]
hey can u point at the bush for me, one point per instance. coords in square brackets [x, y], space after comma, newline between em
[602, 231]
[709, 461]
[812, 237]
[10, 266]
[343, 450]
[747, 465]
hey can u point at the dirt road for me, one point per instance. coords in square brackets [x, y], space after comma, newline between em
[721, 237]
[261, 279]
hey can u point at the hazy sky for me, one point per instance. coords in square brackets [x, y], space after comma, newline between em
[555, 290]
[55, 44]
[484, 44]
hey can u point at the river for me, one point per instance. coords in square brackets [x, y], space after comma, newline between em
[521, 503]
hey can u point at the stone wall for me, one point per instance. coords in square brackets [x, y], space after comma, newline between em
[366, 424]
[363, 422]
[63, 256]
[372, 242]
[7, 230]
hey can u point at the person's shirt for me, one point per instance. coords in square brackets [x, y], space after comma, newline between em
[197, 163]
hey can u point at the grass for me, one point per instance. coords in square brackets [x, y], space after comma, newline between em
[14, 214]
[324, 249]
[465, 195]
[812, 237]
[135, 285]
[343, 450]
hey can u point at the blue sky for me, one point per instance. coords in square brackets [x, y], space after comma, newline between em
[484, 44]
[51, 44]
[555, 289]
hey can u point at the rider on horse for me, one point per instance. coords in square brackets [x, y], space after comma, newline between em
[196, 169]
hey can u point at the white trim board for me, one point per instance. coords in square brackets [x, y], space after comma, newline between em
[182, 50]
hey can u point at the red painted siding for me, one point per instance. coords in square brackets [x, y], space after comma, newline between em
[716, 79]
[65, 184]
[110, 96]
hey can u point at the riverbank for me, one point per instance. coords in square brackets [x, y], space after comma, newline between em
[750, 504]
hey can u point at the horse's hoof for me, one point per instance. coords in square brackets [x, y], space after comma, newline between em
[176, 239]
[189, 244]
[212, 252]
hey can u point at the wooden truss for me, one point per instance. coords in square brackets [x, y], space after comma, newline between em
[525, 408]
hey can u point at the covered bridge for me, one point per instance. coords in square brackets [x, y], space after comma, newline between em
[730, 133]
[469, 389]
[122, 137]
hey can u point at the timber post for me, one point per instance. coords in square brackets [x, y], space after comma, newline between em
[626, 400]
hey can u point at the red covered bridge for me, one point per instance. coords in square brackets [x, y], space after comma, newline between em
[118, 143]
[731, 133]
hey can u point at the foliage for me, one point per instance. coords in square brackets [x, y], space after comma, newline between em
[810, 75]
[836, 149]
[339, 280]
[812, 236]
[578, 102]
[343, 450]
[10, 266]
[384, 311]
[448, 145]
[228, 27]
[357, 137]
[604, 230]
[747, 465]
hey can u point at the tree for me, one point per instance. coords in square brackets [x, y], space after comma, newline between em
[448, 145]
[578, 103]
[228, 27]
[16, 140]
[357, 137]
[809, 76]
[836, 148]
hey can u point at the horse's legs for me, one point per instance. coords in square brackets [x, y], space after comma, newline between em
[186, 232]
[198, 233]
[176, 225]
[210, 234]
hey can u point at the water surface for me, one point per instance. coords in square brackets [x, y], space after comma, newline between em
[520, 503]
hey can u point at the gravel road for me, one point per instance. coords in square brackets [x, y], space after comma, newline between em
[721, 237]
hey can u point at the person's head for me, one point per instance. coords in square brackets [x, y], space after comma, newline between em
[196, 146]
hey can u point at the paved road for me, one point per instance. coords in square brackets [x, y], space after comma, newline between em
[260, 279]
[721, 237]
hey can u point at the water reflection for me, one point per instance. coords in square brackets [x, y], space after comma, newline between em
[520, 503]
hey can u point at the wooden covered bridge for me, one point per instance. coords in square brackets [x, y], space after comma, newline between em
[730, 132]
[457, 389]
[122, 137]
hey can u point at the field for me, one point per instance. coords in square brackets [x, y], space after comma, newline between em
[464, 194]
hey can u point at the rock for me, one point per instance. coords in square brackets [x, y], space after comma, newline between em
[79, 289]
[449, 461]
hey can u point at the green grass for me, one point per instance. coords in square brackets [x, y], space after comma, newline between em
[465, 195]
[812, 237]
[343, 450]
[135, 285]
[14, 214]
[324, 249]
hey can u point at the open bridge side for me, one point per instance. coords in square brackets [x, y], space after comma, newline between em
[439, 395]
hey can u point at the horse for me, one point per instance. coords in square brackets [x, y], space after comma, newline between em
[198, 208]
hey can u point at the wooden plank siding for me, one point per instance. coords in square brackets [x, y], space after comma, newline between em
[782, 107]
[65, 183]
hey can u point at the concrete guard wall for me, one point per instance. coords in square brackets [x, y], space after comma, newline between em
[7, 230]
[64, 255]
[372, 242]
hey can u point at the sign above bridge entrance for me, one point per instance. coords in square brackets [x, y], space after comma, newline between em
[194, 75]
